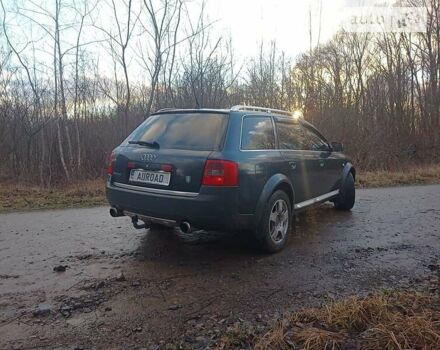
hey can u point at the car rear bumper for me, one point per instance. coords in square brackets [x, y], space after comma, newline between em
[210, 209]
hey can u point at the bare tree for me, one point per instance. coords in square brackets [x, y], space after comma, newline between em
[68, 95]
[118, 41]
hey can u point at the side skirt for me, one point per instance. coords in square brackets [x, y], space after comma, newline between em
[319, 199]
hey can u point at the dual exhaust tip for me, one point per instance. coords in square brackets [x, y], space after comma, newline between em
[116, 213]
[184, 226]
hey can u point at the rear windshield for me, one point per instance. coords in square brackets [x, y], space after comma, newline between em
[185, 131]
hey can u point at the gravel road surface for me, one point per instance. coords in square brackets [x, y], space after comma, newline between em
[118, 287]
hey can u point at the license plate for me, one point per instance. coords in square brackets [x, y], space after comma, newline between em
[150, 177]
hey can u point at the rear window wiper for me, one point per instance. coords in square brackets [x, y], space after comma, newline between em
[145, 143]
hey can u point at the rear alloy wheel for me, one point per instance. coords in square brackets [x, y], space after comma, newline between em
[275, 226]
[347, 194]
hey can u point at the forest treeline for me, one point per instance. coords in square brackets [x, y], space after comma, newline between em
[61, 112]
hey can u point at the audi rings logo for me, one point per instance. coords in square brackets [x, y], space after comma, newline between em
[148, 157]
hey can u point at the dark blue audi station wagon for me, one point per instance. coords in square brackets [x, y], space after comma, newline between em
[242, 169]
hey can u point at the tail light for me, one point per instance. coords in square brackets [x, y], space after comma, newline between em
[111, 160]
[220, 173]
[167, 168]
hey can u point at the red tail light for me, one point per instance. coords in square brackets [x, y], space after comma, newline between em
[167, 167]
[220, 173]
[111, 160]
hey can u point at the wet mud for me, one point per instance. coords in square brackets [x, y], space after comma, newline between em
[79, 279]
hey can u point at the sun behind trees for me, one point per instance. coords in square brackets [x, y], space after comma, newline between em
[77, 76]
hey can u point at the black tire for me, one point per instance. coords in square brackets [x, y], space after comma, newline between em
[271, 241]
[347, 194]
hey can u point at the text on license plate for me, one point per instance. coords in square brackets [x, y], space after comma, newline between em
[150, 177]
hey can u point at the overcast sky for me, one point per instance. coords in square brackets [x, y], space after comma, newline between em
[286, 21]
[247, 22]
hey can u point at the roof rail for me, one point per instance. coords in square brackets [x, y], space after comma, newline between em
[166, 109]
[260, 109]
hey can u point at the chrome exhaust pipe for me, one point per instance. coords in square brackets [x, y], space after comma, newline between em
[116, 213]
[185, 227]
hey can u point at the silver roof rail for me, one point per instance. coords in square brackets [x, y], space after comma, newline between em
[166, 109]
[260, 109]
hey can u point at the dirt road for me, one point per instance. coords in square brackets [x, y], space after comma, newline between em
[140, 289]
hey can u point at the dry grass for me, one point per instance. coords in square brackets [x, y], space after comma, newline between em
[386, 320]
[24, 197]
[427, 174]
[316, 338]
[237, 336]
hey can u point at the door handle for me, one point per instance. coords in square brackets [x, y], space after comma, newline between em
[292, 165]
[321, 163]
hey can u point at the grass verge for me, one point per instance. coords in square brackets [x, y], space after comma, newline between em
[384, 320]
[25, 197]
[426, 174]
[15, 197]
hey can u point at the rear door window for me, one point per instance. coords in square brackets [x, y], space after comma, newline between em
[183, 131]
[290, 135]
[257, 134]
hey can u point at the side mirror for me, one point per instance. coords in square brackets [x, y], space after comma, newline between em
[337, 147]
